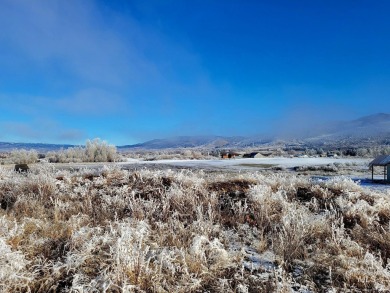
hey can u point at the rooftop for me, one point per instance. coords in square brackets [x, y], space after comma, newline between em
[382, 160]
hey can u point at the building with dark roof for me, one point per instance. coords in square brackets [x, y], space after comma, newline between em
[229, 155]
[381, 161]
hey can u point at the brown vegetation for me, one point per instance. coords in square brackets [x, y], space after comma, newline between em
[183, 231]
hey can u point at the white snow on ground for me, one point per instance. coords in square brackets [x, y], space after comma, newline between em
[243, 163]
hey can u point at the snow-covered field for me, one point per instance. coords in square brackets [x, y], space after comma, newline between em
[252, 163]
[357, 168]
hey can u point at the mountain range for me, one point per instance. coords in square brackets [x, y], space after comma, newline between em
[375, 128]
[372, 127]
[40, 147]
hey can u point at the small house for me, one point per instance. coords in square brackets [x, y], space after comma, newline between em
[224, 155]
[229, 155]
[384, 162]
[253, 155]
[233, 155]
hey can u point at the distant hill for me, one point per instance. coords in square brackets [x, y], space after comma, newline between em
[368, 129]
[375, 126]
[188, 142]
[40, 147]
[376, 119]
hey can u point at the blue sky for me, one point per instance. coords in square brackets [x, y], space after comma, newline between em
[129, 71]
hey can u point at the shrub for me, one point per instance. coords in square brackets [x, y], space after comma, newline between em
[94, 151]
[23, 156]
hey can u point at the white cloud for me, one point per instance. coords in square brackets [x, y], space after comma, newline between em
[95, 62]
[76, 36]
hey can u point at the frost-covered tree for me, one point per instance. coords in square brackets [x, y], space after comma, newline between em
[24, 156]
[100, 151]
[94, 151]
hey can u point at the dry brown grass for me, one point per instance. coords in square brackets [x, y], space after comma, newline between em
[180, 231]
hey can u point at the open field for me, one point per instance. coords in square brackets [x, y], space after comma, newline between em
[113, 230]
[279, 161]
[356, 165]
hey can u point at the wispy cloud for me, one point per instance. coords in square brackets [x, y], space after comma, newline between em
[91, 62]
[71, 135]
[69, 34]
[99, 47]
[87, 102]
[19, 129]
[41, 131]
[91, 102]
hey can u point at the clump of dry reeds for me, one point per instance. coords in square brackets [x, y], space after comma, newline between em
[114, 230]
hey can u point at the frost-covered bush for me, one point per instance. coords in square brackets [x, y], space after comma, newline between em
[100, 151]
[23, 157]
[325, 168]
[94, 151]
